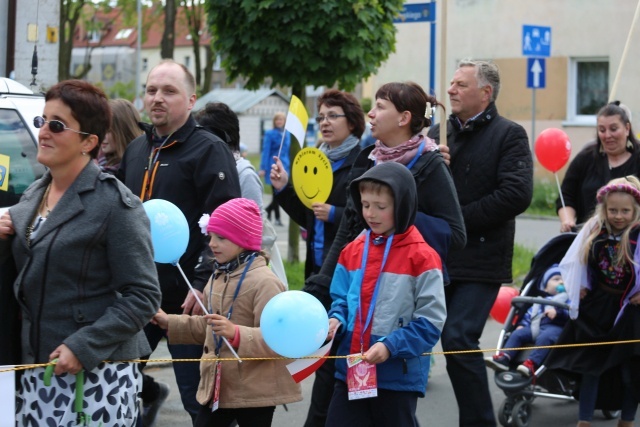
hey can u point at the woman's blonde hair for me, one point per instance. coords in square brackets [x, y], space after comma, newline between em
[278, 115]
[628, 185]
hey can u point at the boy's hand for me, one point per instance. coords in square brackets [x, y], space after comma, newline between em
[378, 353]
[551, 312]
[221, 326]
[334, 324]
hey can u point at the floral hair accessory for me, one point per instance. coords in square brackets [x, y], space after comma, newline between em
[429, 112]
[618, 188]
[203, 222]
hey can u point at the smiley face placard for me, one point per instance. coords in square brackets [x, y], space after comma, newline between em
[312, 176]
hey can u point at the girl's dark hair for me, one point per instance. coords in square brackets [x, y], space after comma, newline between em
[615, 108]
[350, 106]
[220, 120]
[409, 96]
[89, 106]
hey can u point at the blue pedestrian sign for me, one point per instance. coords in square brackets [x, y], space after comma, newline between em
[536, 73]
[536, 41]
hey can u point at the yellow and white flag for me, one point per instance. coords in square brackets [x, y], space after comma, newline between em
[297, 119]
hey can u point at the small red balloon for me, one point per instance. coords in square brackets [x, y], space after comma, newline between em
[502, 304]
[553, 149]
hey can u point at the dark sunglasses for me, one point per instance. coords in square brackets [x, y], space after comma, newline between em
[55, 126]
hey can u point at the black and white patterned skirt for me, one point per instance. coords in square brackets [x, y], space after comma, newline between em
[111, 397]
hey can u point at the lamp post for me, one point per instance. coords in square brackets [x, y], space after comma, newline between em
[138, 101]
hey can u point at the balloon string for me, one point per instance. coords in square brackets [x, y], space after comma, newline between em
[559, 189]
[205, 311]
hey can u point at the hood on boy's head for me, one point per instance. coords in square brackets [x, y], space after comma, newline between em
[403, 188]
[554, 270]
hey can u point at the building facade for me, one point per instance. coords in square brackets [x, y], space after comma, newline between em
[585, 69]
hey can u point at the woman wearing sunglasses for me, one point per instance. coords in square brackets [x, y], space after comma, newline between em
[86, 281]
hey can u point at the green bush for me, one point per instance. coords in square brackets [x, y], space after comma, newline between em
[521, 262]
[295, 274]
[545, 193]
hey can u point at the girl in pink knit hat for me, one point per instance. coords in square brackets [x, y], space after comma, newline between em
[236, 294]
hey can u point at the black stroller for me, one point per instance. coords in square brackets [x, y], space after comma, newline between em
[520, 390]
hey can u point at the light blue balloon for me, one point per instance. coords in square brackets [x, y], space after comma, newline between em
[294, 324]
[169, 230]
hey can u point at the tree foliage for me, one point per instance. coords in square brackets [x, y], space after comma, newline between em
[70, 12]
[303, 42]
[195, 16]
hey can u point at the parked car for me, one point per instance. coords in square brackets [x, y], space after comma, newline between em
[18, 140]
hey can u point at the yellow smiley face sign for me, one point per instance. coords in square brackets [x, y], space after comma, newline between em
[312, 176]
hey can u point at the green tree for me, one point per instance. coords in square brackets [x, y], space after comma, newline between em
[70, 13]
[169, 34]
[82, 13]
[303, 42]
[195, 16]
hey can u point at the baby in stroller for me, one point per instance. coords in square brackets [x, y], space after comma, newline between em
[541, 325]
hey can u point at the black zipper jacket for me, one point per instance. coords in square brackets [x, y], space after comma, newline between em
[195, 171]
[492, 170]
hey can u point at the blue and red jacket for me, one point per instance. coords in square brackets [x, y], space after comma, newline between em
[409, 311]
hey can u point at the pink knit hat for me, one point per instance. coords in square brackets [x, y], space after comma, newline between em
[239, 221]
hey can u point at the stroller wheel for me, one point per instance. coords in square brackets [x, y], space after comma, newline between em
[521, 413]
[504, 413]
[610, 415]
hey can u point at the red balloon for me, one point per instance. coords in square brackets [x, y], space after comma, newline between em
[553, 149]
[502, 305]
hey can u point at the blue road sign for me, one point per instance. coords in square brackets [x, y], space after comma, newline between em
[536, 73]
[417, 12]
[536, 41]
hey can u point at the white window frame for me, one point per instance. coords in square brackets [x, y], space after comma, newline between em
[573, 118]
[124, 33]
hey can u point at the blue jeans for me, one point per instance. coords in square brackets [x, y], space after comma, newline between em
[549, 334]
[468, 307]
[187, 373]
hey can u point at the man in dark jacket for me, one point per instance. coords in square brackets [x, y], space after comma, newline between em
[178, 161]
[493, 173]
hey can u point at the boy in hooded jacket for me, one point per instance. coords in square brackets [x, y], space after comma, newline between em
[388, 305]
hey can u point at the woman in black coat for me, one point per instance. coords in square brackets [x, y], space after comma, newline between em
[614, 154]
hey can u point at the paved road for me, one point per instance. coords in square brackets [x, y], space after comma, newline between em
[439, 407]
